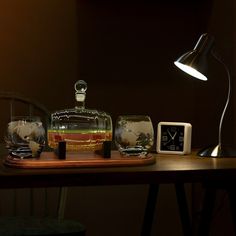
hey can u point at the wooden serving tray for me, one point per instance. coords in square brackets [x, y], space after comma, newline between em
[73, 160]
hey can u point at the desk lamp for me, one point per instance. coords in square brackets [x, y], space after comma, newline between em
[194, 63]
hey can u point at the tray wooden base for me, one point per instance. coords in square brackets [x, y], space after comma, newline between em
[74, 160]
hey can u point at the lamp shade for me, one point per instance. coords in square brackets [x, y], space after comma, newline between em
[194, 62]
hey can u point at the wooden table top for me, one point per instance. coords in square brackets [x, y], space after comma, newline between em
[166, 169]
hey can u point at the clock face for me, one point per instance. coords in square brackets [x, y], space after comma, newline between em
[172, 138]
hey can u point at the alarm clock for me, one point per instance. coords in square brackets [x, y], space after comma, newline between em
[174, 137]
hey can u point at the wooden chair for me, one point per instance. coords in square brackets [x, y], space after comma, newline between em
[31, 223]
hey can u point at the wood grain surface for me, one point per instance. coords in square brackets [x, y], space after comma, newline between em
[82, 159]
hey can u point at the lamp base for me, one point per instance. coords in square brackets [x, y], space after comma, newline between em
[217, 151]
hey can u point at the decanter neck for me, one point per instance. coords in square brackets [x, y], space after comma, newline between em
[80, 105]
[80, 94]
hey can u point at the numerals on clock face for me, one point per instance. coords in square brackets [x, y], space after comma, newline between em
[172, 138]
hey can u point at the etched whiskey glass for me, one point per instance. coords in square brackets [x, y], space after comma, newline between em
[25, 136]
[134, 135]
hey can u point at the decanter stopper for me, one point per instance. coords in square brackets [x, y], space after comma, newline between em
[80, 92]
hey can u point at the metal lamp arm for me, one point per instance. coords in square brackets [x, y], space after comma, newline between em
[228, 96]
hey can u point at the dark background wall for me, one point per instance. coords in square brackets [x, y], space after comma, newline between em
[125, 51]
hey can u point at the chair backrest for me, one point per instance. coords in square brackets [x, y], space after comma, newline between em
[25, 201]
[15, 98]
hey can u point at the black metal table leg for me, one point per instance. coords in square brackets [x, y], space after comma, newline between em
[232, 200]
[150, 210]
[207, 211]
[183, 209]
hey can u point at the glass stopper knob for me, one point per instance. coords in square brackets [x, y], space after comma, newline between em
[80, 88]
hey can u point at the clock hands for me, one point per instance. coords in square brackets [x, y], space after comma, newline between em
[169, 133]
[168, 142]
[172, 136]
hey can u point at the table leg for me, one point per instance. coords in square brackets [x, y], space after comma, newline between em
[232, 200]
[207, 211]
[150, 210]
[183, 209]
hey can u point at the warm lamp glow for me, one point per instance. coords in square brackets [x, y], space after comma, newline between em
[191, 71]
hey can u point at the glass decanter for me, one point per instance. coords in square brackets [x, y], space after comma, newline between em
[82, 129]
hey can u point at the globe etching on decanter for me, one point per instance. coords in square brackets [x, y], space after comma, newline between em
[82, 129]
